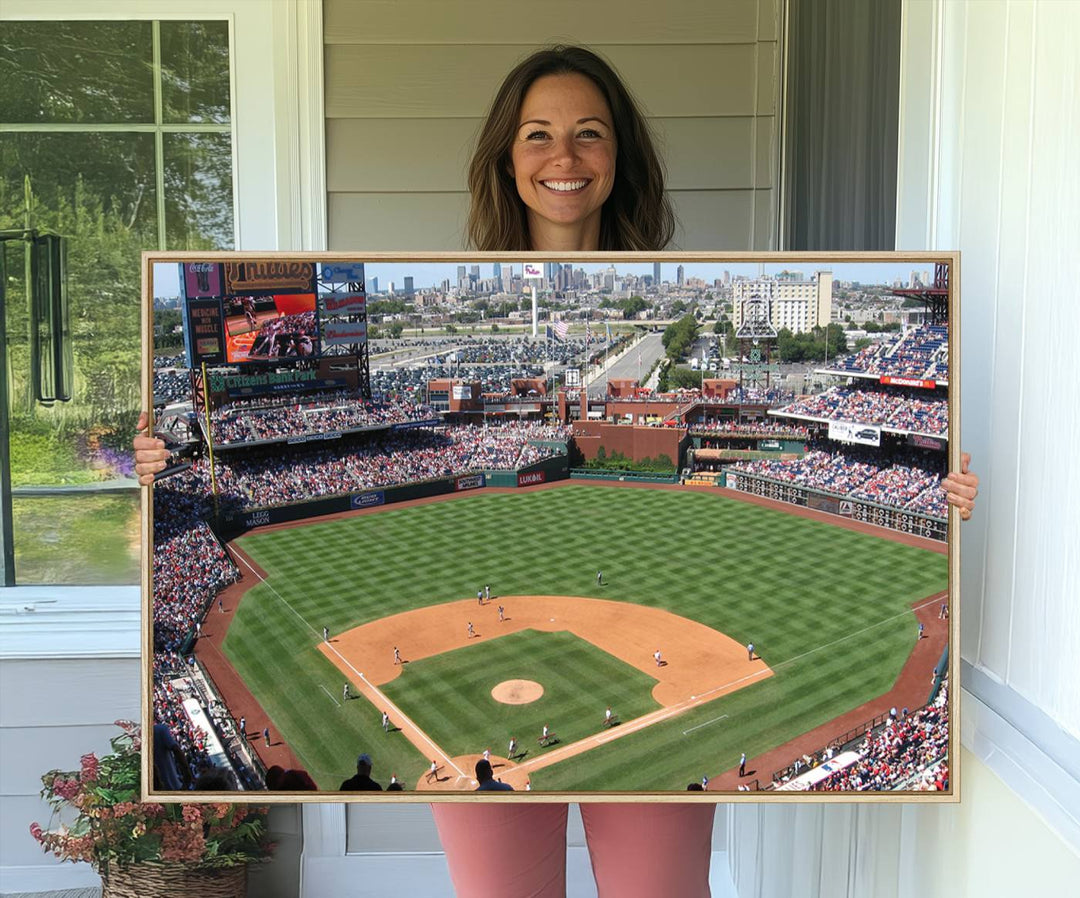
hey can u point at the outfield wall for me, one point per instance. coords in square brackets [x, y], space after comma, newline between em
[232, 524]
[855, 509]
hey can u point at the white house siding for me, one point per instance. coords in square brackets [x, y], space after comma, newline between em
[408, 83]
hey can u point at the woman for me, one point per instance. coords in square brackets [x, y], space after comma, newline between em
[565, 162]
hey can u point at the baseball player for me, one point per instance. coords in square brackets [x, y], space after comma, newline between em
[502, 614]
[599, 578]
[656, 657]
[243, 727]
[266, 736]
[607, 717]
[487, 592]
[325, 635]
[749, 651]
[385, 722]
[479, 597]
[742, 764]
[345, 693]
[511, 749]
[472, 632]
[433, 771]
[397, 655]
[487, 755]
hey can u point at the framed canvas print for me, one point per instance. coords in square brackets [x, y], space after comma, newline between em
[594, 527]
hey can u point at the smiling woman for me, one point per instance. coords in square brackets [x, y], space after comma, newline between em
[563, 160]
[562, 117]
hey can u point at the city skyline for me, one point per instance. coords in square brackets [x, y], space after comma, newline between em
[431, 275]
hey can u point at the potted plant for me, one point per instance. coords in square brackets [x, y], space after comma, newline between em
[148, 848]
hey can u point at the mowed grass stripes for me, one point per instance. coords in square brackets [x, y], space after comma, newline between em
[827, 608]
[449, 697]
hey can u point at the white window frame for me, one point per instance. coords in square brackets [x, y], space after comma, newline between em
[279, 201]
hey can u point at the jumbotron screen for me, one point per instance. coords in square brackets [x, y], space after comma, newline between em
[266, 328]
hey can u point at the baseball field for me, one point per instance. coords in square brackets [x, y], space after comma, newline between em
[694, 575]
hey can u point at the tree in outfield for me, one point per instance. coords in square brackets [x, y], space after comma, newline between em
[632, 307]
[810, 345]
[680, 336]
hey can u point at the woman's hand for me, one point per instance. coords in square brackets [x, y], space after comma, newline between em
[962, 487]
[150, 453]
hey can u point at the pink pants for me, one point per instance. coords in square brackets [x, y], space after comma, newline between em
[519, 851]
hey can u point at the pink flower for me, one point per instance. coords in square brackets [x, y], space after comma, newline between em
[192, 813]
[37, 832]
[89, 767]
[65, 788]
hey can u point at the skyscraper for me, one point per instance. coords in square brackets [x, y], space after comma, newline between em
[680, 276]
[656, 272]
[408, 285]
[496, 270]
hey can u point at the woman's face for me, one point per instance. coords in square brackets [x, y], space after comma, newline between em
[563, 161]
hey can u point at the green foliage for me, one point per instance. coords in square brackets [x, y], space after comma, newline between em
[616, 461]
[683, 378]
[680, 336]
[810, 345]
[383, 307]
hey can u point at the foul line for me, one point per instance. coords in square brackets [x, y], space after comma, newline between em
[383, 702]
[705, 724]
[327, 691]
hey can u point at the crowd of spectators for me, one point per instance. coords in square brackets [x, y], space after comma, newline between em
[901, 485]
[759, 395]
[902, 410]
[921, 352]
[388, 459]
[169, 710]
[190, 565]
[906, 749]
[714, 427]
[281, 418]
[171, 384]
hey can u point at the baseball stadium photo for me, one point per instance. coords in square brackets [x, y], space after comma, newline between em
[616, 526]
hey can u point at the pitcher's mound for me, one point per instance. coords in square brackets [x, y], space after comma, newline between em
[517, 692]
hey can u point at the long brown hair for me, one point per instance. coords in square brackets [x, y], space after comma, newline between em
[637, 214]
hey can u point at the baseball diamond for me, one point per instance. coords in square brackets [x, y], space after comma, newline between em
[829, 607]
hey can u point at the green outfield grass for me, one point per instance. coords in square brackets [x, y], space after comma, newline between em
[827, 608]
[449, 696]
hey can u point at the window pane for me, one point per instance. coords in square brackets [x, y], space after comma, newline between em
[198, 191]
[76, 72]
[195, 72]
[98, 191]
[78, 539]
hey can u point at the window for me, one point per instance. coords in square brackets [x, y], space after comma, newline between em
[118, 136]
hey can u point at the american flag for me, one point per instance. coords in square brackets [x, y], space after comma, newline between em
[561, 329]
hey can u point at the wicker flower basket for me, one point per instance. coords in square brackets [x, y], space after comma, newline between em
[150, 880]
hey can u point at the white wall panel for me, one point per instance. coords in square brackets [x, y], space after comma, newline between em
[397, 221]
[408, 81]
[478, 23]
[407, 85]
[1045, 635]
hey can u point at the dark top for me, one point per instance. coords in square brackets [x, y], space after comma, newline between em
[360, 783]
[494, 786]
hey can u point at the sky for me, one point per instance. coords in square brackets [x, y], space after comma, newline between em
[428, 274]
